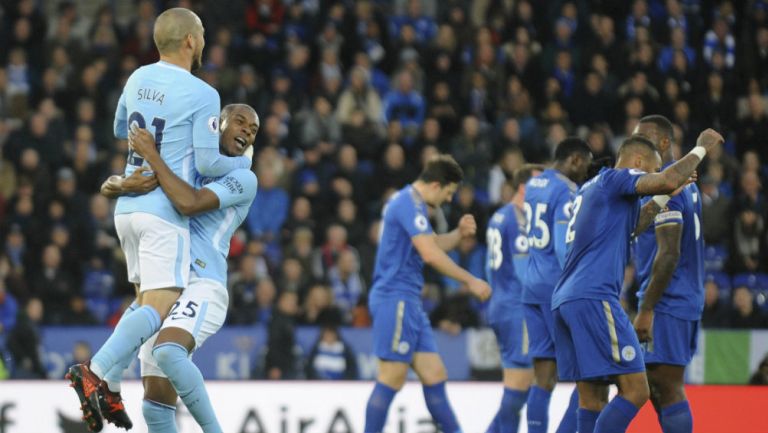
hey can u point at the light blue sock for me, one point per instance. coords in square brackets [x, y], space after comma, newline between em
[160, 418]
[538, 409]
[587, 419]
[440, 408]
[568, 423]
[187, 380]
[509, 413]
[616, 416]
[114, 376]
[129, 334]
[377, 408]
[677, 418]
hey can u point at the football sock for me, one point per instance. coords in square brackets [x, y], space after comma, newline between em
[378, 406]
[187, 380]
[677, 418]
[115, 374]
[538, 409]
[616, 416]
[160, 418]
[440, 408]
[586, 420]
[568, 423]
[129, 334]
[509, 413]
[494, 427]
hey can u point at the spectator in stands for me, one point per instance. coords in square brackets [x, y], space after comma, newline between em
[331, 358]
[474, 152]
[748, 250]
[715, 313]
[716, 208]
[24, 342]
[405, 105]
[266, 217]
[9, 308]
[280, 362]
[719, 39]
[744, 313]
[54, 285]
[319, 300]
[753, 128]
[248, 302]
[510, 160]
[347, 283]
[319, 124]
[470, 256]
[760, 377]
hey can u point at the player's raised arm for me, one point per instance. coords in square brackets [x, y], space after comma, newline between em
[677, 174]
[467, 227]
[205, 140]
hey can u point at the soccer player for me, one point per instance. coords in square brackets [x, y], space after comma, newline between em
[183, 113]
[594, 339]
[219, 205]
[402, 334]
[670, 267]
[548, 199]
[507, 262]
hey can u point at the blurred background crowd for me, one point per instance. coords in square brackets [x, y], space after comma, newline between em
[353, 96]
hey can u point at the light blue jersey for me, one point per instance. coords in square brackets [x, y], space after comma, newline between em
[179, 109]
[210, 232]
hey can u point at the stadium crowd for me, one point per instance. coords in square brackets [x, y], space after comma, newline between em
[353, 96]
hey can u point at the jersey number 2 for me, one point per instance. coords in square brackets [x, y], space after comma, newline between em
[159, 124]
[570, 234]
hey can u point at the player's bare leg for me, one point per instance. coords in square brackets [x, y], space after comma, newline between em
[432, 374]
[619, 413]
[545, 373]
[159, 405]
[667, 388]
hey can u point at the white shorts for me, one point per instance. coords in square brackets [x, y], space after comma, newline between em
[156, 251]
[200, 310]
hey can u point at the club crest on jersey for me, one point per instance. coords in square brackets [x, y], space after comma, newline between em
[213, 124]
[403, 347]
[420, 222]
[628, 353]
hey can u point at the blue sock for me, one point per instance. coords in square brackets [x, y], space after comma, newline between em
[568, 423]
[494, 427]
[509, 413]
[187, 380]
[538, 409]
[160, 418]
[586, 420]
[114, 376]
[131, 332]
[615, 417]
[378, 406]
[440, 408]
[677, 418]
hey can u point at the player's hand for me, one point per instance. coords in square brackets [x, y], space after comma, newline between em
[139, 183]
[643, 323]
[141, 141]
[113, 186]
[248, 153]
[709, 138]
[480, 289]
[694, 177]
[467, 226]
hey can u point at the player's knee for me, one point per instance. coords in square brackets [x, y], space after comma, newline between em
[167, 355]
[638, 394]
[434, 374]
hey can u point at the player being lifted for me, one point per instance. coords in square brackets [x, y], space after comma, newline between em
[402, 334]
[183, 113]
[670, 267]
[507, 262]
[594, 339]
[548, 200]
[217, 206]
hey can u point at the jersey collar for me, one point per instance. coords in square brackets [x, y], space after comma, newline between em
[171, 66]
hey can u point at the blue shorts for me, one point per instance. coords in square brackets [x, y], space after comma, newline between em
[538, 318]
[595, 341]
[674, 340]
[512, 335]
[400, 329]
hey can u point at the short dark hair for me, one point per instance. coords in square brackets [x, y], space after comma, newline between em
[571, 146]
[662, 123]
[637, 142]
[523, 174]
[442, 169]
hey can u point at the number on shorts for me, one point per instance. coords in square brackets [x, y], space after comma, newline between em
[189, 311]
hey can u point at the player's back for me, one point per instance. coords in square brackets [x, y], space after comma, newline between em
[547, 203]
[211, 232]
[399, 267]
[164, 99]
[684, 297]
[605, 213]
[506, 240]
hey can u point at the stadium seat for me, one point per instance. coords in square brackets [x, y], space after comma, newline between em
[723, 282]
[715, 257]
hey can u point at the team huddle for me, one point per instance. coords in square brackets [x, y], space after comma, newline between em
[555, 264]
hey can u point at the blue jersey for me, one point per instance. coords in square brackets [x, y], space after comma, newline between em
[605, 214]
[399, 268]
[507, 241]
[179, 109]
[210, 232]
[548, 200]
[684, 297]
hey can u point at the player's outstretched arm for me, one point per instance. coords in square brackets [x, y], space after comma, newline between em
[677, 174]
[434, 256]
[467, 227]
[664, 264]
[136, 184]
[187, 200]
